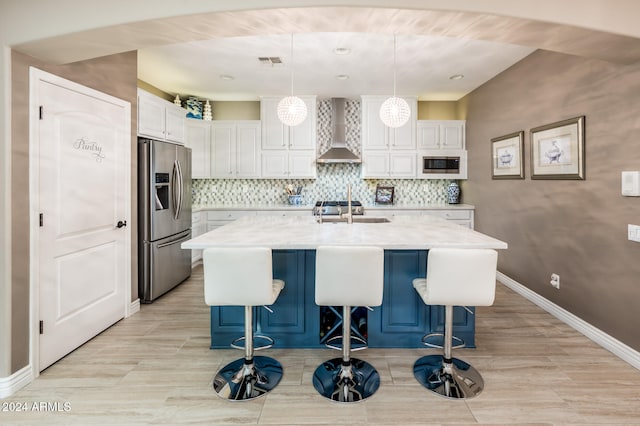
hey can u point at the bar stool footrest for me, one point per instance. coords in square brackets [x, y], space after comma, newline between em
[335, 343]
[268, 342]
[461, 343]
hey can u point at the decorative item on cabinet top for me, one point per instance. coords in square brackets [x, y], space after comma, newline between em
[194, 108]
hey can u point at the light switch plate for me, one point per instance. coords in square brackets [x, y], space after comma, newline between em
[631, 184]
[634, 233]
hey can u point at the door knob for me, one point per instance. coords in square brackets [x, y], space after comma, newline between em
[121, 224]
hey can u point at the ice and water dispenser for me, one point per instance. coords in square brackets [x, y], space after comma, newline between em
[162, 191]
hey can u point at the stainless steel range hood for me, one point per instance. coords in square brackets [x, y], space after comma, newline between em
[338, 151]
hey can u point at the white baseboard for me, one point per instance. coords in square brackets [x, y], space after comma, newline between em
[18, 380]
[133, 308]
[608, 342]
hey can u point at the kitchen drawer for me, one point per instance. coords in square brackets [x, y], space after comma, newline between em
[229, 215]
[450, 214]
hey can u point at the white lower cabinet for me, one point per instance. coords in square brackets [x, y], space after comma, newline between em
[198, 227]
[463, 217]
[218, 218]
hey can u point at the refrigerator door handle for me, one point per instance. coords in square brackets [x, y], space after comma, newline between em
[175, 189]
[172, 242]
[181, 186]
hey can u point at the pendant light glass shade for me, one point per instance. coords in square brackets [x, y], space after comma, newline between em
[395, 112]
[292, 110]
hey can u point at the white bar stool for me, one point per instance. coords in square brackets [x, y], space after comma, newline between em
[243, 277]
[461, 277]
[348, 276]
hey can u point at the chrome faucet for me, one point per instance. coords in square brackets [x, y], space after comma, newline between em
[349, 214]
[320, 212]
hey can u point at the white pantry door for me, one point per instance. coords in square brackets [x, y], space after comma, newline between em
[84, 145]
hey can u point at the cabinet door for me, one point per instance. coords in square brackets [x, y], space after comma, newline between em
[247, 150]
[275, 135]
[428, 135]
[175, 117]
[404, 137]
[223, 151]
[402, 321]
[198, 138]
[402, 165]
[151, 116]
[302, 164]
[275, 164]
[303, 136]
[375, 135]
[375, 164]
[452, 134]
[289, 309]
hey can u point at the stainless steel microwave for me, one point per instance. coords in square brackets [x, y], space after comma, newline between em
[443, 164]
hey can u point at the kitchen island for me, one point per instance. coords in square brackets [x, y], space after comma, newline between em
[297, 321]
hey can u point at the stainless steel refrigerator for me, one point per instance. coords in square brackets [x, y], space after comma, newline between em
[164, 212]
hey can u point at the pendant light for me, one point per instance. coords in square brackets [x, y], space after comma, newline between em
[292, 110]
[395, 111]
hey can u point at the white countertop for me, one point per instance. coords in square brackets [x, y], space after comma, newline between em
[304, 233]
[285, 206]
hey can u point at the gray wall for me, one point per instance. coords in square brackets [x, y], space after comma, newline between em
[577, 229]
[115, 75]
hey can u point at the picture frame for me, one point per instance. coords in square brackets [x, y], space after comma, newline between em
[557, 150]
[507, 153]
[384, 194]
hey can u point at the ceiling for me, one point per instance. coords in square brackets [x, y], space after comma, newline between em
[424, 65]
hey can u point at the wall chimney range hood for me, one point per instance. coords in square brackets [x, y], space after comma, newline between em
[338, 151]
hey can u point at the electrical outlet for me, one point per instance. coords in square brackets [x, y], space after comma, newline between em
[555, 281]
[245, 189]
[214, 189]
[425, 188]
[634, 233]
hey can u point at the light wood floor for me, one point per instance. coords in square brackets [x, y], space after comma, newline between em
[156, 368]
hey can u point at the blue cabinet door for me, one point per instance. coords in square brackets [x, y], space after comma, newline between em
[402, 319]
[294, 321]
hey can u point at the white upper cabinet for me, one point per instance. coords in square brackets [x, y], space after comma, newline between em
[288, 152]
[387, 152]
[377, 136]
[277, 136]
[160, 119]
[441, 134]
[235, 149]
[198, 138]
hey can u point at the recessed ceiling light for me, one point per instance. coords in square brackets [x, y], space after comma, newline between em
[226, 77]
[342, 77]
[341, 50]
[456, 77]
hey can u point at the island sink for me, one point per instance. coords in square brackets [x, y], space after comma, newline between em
[356, 219]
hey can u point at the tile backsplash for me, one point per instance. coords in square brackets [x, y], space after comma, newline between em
[332, 179]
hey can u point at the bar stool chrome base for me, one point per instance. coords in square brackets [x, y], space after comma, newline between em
[352, 382]
[454, 380]
[243, 380]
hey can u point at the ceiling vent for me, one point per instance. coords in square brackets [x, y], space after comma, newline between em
[270, 60]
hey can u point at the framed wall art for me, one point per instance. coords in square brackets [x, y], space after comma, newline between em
[557, 150]
[384, 194]
[507, 153]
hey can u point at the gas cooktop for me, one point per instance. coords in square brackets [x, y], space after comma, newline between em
[336, 207]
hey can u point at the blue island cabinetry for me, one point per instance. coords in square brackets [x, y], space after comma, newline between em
[400, 322]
